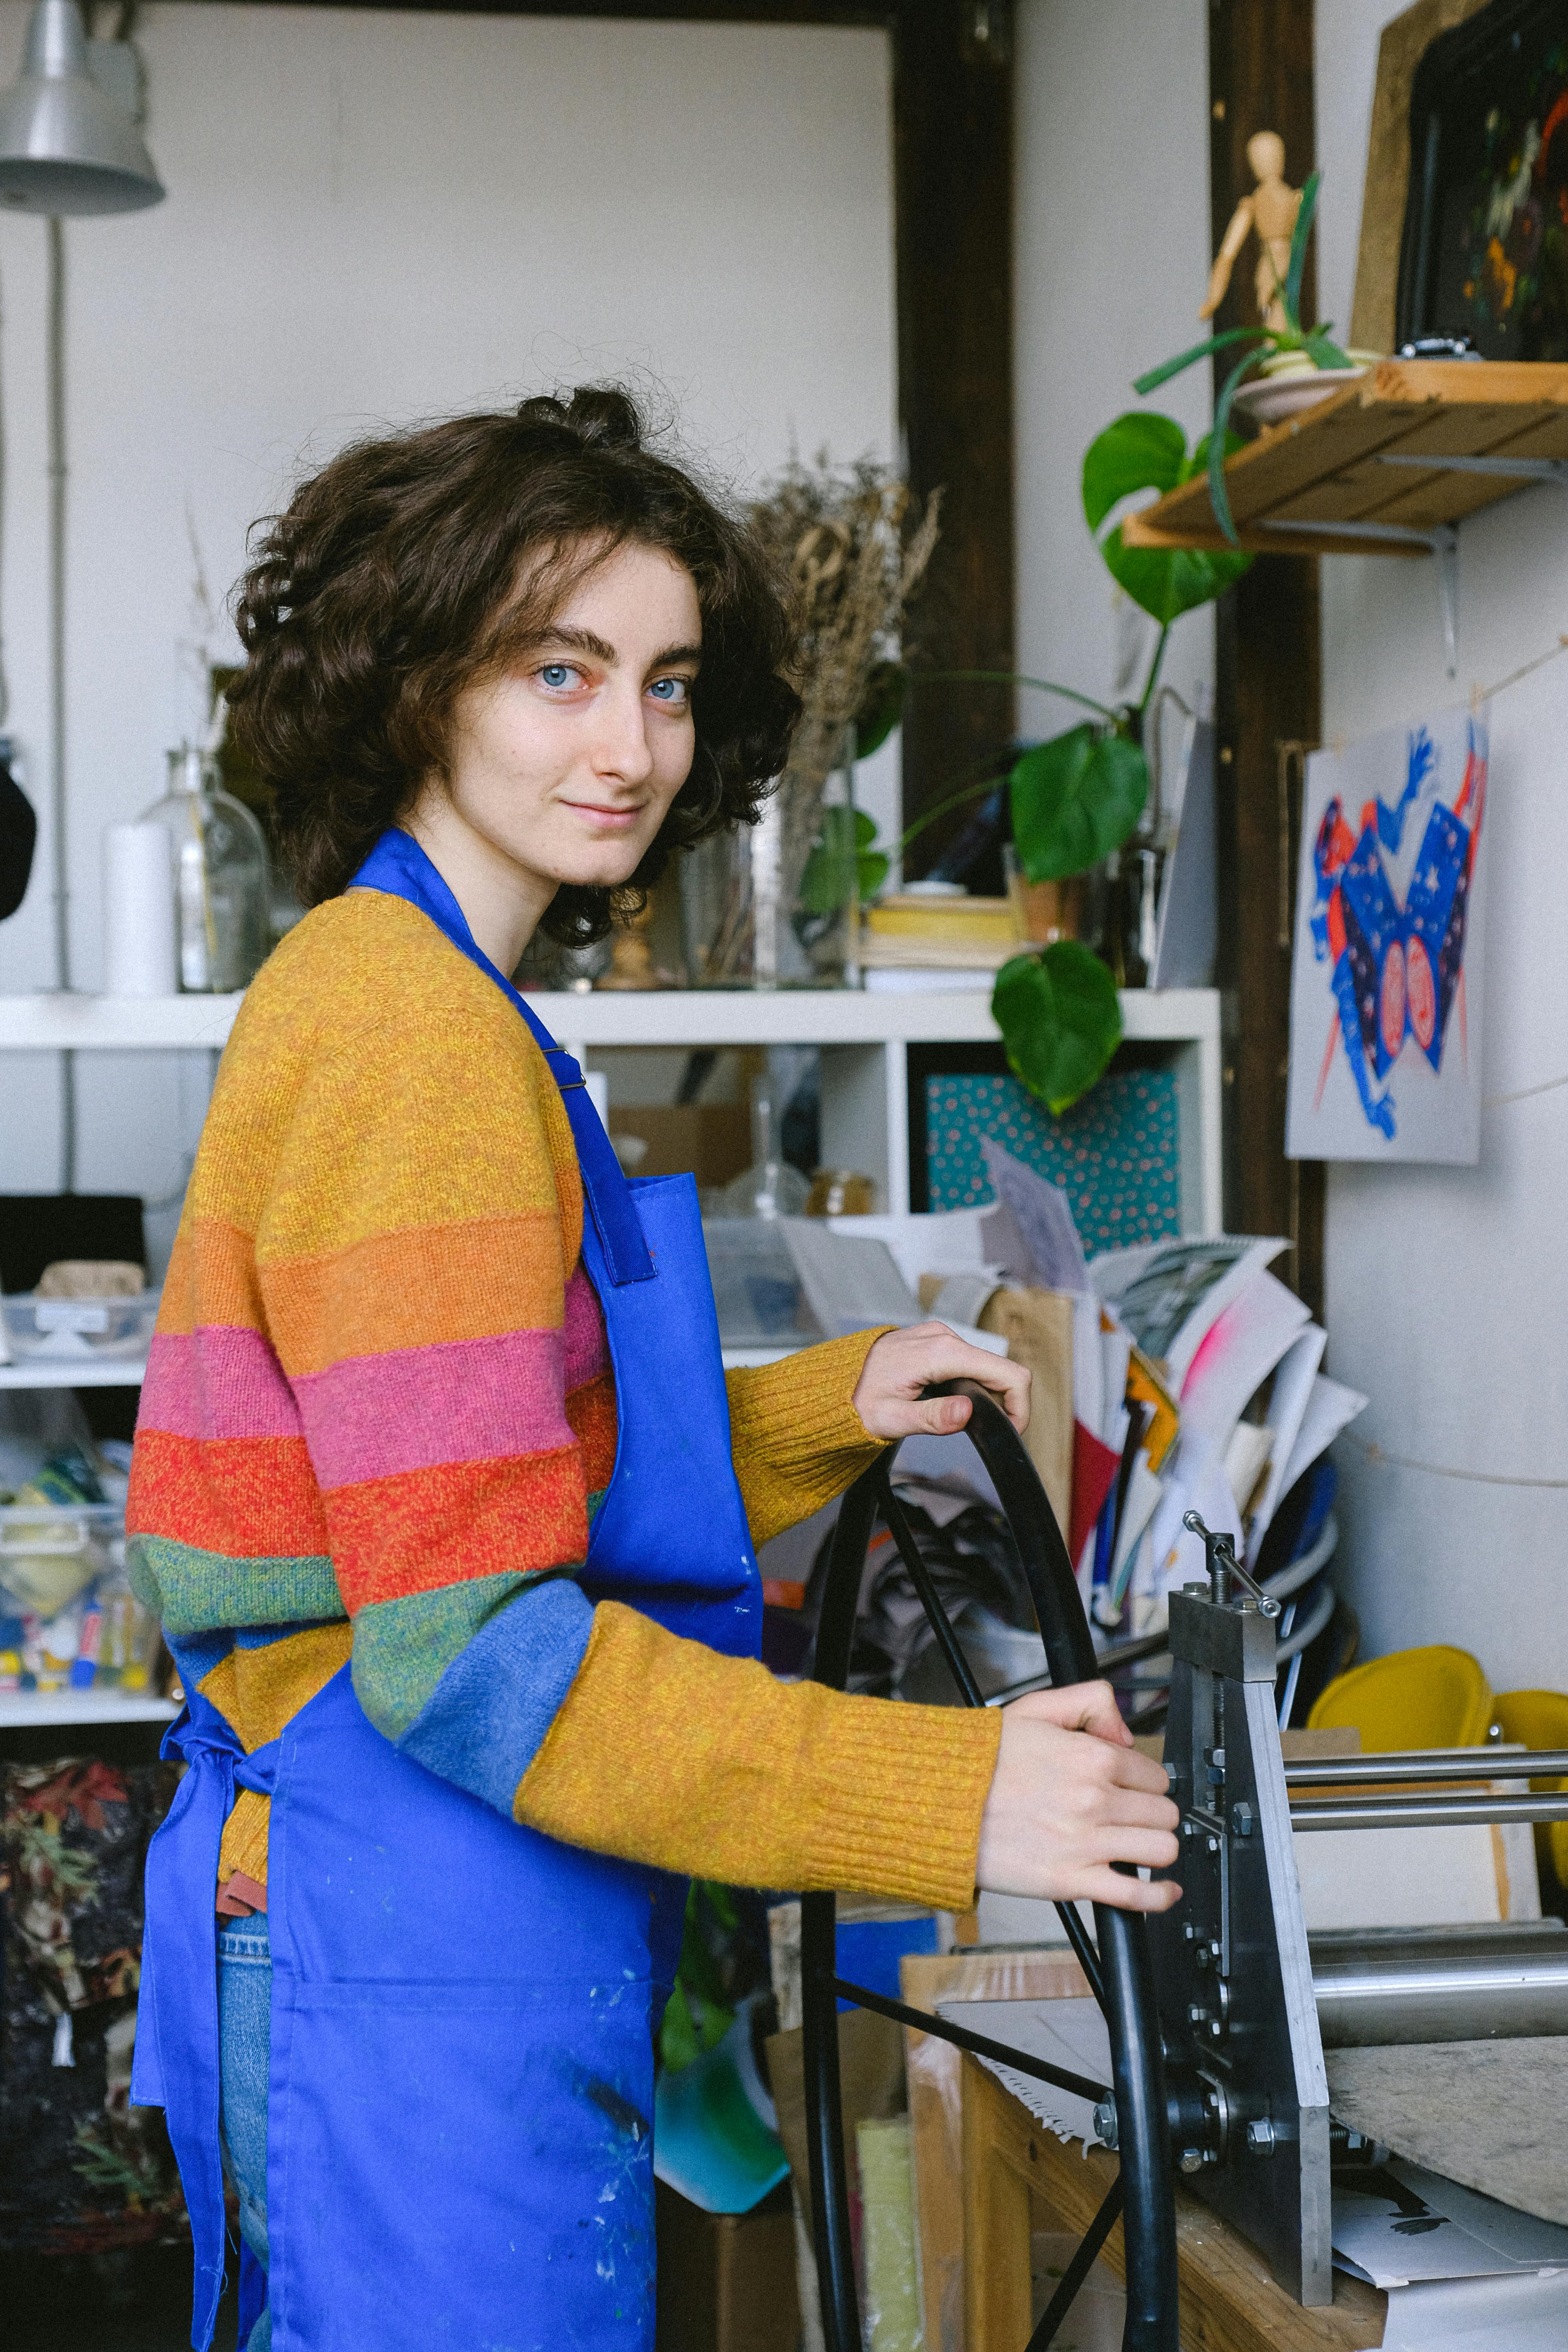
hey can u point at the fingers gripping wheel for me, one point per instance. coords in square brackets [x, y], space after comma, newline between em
[1119, 1973]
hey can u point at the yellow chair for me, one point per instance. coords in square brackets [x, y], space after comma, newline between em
[1435, 1697]
[1539, 1718]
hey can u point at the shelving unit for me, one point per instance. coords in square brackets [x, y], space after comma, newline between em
[864, 1037]
[29, 1710]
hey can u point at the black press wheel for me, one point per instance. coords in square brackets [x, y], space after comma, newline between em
[1119, 1970]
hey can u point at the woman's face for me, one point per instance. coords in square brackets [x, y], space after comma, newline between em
[565, 766]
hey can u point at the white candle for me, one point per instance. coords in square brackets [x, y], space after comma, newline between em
[138, 912]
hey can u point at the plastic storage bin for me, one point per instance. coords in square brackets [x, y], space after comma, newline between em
[94, 1329]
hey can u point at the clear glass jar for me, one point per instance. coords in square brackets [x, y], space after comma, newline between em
[222, 889]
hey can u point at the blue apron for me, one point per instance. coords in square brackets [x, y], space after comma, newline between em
[461, 2079]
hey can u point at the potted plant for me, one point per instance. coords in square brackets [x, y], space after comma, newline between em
[1078, 797]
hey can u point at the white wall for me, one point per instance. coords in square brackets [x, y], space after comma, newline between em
[1448, 1289]
[1113, 261]
[374, 218]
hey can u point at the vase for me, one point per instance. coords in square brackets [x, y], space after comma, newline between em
[222, 890]
[777, 904]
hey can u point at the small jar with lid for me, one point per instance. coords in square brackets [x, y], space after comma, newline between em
[220, 877]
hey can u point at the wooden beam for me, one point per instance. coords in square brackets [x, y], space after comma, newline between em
[1269, 689]
[953, 133]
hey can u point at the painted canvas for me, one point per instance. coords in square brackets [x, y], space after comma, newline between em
[1485, 249]
[1386, 997]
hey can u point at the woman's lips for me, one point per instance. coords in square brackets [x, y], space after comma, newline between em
[614, 820]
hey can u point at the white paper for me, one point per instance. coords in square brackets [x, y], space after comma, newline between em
[946, 1242]
[1235, 1356]
[1331, 1407]
[849, 1283]
[1115, 1354]
[1168, 1294]
[1386, 983]
[1087, 1364]
[1143, 1493]
[1188, 925]
[1484, 2315]
[1430, 2228]
[1287, 1407]
[1066, 2033]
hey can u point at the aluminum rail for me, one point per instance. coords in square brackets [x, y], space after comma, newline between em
[1424, 1813]
[1438, 1764]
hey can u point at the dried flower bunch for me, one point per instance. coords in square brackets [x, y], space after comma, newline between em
[854, 544]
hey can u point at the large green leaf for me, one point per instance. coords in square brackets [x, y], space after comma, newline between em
[881, 707]
[1144, 451]
[1059, 1019]
[1296, 267]
[841, 855]
[1075, 800]
[1141, 451]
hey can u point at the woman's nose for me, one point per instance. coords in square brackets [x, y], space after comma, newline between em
[622, 746]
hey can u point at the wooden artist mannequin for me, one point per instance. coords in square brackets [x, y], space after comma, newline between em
[1271, 211]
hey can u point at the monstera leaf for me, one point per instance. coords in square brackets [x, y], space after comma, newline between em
[1075, 800]
[1060, 1021]
[842, 858]
[1146, 451]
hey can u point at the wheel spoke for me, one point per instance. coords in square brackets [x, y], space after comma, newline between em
[979, 2045]
[1078, 2269]
[1084, 1952]
[920, 1576]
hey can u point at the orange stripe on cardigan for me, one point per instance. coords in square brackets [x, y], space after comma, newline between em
[479, 1280]
[249, 1498]
[425, 1528]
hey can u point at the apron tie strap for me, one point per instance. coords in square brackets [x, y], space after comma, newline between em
[175, 2064]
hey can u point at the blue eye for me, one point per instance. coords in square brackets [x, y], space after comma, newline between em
[556, 674]
[672, 691]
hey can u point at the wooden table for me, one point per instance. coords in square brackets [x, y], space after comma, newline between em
[1229, 2301]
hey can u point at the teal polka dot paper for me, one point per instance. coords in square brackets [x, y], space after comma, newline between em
[1116, 1154]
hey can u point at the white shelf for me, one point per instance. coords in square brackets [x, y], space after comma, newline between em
[840, 1016]
[47, 1024]
[20, 1709]
[72, 1373]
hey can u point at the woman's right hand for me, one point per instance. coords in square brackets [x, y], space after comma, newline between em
[1071, 1795]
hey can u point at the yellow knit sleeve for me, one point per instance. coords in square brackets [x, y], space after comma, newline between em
[795, 1436]
[758, 1782]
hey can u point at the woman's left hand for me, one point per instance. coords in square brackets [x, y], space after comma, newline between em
[902, 1363]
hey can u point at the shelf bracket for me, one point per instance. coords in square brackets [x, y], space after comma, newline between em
[1442, 541]
[1519, 469]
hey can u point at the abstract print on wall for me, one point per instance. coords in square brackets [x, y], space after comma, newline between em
[1385, 997]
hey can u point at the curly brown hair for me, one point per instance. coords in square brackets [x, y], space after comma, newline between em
[413, 567]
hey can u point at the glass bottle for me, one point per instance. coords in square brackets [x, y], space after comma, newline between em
[221, 883]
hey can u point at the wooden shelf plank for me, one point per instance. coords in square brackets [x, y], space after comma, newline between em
[1330, 466]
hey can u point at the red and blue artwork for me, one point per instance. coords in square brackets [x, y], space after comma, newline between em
[1388, 917]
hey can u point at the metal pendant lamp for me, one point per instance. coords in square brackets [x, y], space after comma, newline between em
[65, 146]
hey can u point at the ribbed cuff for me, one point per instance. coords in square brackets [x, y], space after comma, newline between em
[897, 1794]
[796, 1435]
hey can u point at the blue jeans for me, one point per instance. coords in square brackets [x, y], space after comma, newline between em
[245, 2027]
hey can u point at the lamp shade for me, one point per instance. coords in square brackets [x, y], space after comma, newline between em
[65, 147]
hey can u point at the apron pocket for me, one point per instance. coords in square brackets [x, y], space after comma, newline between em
[464, 2165]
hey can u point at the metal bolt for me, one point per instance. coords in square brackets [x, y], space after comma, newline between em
[1189, 1933]
[1241, 1819]
[1204, 1955]
[1260, 2138]
[1196, 2016]
[1215, 2030]
[1192, 2159]
[1105, 2121]
[1214, 1845]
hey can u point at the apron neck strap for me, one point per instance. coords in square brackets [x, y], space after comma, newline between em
[398, 866]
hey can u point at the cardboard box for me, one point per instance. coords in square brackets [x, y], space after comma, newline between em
[726, 2281]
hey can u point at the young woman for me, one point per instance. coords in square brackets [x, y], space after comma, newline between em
[440, 1491]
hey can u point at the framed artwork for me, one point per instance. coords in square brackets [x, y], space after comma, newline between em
[1385, 990]
[1485, 247]
[1403, 47]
